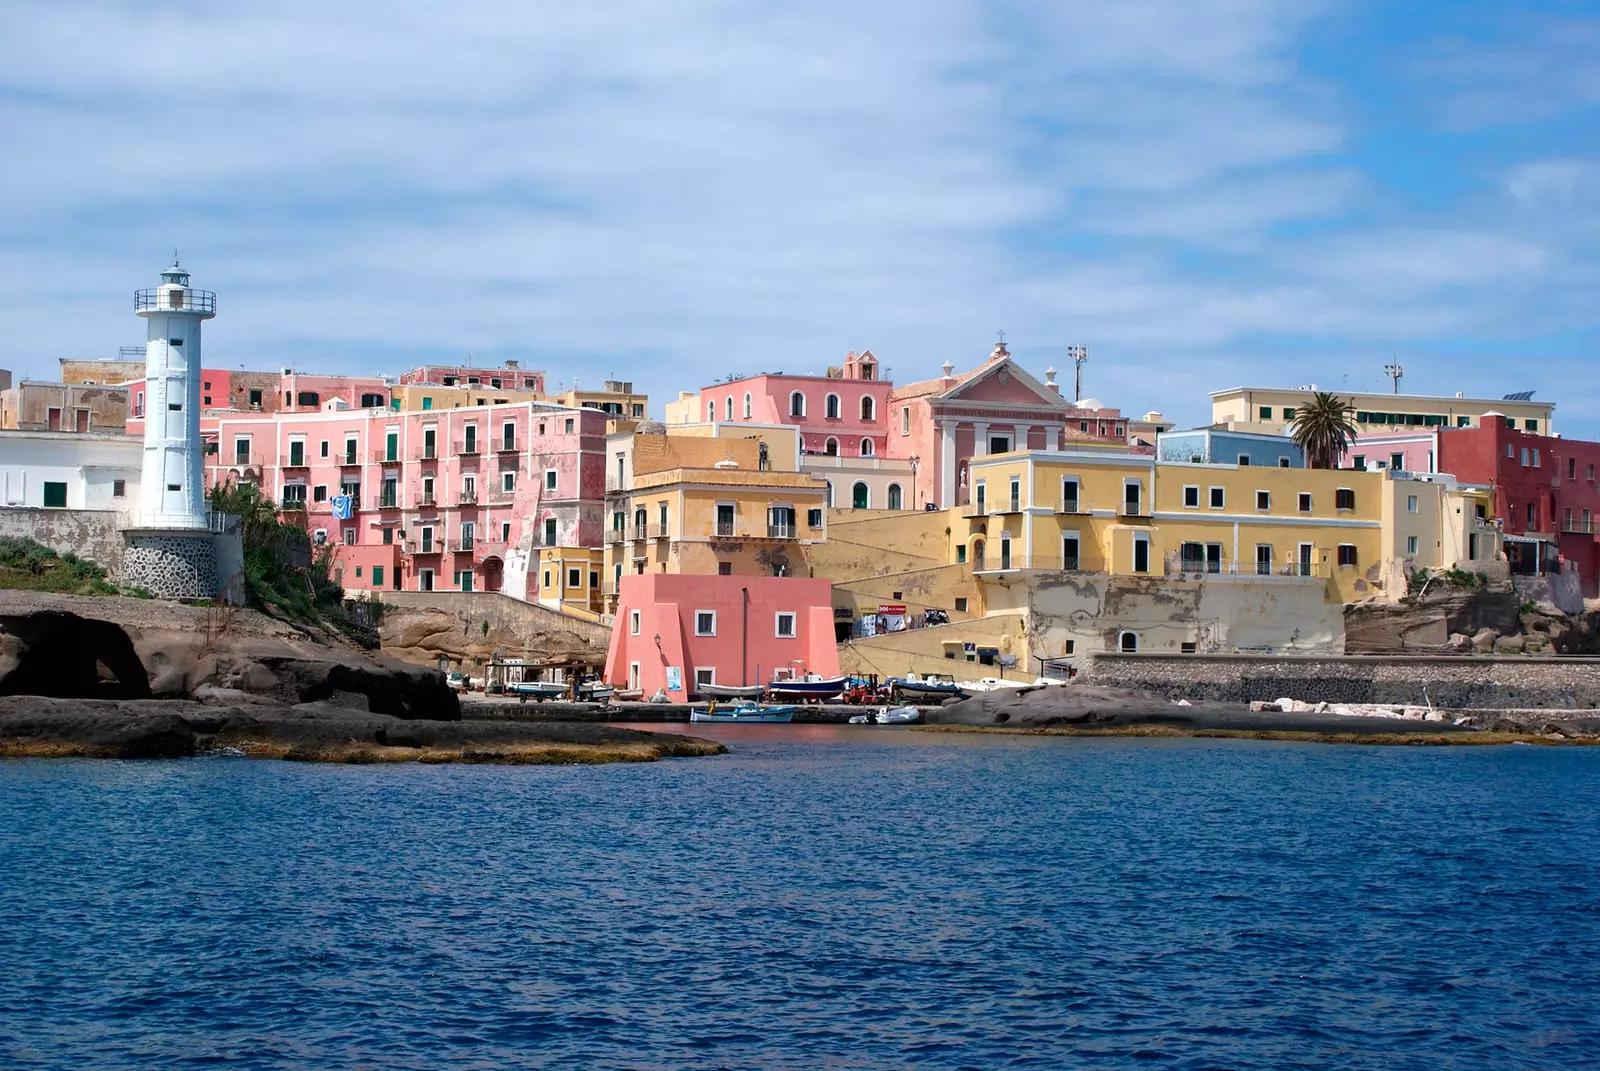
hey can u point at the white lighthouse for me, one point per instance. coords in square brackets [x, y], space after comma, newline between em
[172, 496]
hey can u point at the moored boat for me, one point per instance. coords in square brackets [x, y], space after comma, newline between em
[810, 686]
[730, 691]
[752, 713]
[938, 685]
[538, 689]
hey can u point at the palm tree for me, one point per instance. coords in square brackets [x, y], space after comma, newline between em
[1323, 427]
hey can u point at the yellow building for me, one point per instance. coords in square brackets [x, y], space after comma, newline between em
[1433, 522]
[1270, 410]
[569, 580]
[617, 398]
[1134, 516]
[413, 397]
[702, 505]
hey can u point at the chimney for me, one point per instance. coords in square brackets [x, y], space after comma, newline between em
[949, 379]
[1050, 380]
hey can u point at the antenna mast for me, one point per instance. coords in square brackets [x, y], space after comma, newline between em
[1394, 372]
[1079, 356]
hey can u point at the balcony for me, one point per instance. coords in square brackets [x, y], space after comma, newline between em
[383, 457]
[349, 461]
[468, 497]
[1572, 527]
[782, 531]
[975, 510]
[616, 536]
[1013, 505]
[296, 462]
[725, 530]
[467, 448]
[386, 502]
[435, 546]
[203, 301]
[430, 453]
[1073, 506]
[615, 486]
[463, 545]
[506, 446]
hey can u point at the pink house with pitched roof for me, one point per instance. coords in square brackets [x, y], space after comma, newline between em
[841, 414]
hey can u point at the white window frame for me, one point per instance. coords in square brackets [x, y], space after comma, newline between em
[704, 675]
[869, 409]
[1304, 502]
[1411, 544]
[1186, 489]
[905, 420]
[794, 625]
[802, 396]
[633, 676]
[747, 405]
[1211, 498]
[635, 622]
[508, 482]
[1411, 503]
[832, 409]
[1339, 553]
[1122, 647]
[1259, 505]
[727, 408]
[549, 479]
[866, 448]
[697, 630]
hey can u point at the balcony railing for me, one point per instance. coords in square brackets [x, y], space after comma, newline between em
[781, 531]
[616, 535]
[1074, 506]
[1573, 527]
[725, 529]
[468, 497]
[506, 447]
[462, 545]
[615, 486]
[467, 448]
[348, 460]
[185, 298]
[245, 461]
[386, 502]
[383, 457]
[292, 462]
[430, 453]
[975, 509]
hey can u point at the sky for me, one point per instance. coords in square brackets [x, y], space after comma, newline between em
[1205, 193]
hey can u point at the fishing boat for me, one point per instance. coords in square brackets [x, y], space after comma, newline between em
[628, 695]
[753, 713]
[808, 686]
[889, 716]
[730, 691]
[935, 685]
[540, 690]
[595, 691]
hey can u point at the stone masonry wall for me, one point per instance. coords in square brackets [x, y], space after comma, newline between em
[1459, 683]
[171, 566]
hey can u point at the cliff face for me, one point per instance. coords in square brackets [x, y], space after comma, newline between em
[1450, 621]
[74, 647]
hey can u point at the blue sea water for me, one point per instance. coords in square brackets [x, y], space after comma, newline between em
[820, 898]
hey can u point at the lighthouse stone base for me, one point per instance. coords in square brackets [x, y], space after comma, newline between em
[171, 564]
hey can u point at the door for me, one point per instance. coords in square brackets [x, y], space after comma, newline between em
[53, 419]
[1263, 559]
[391, 446]
[1130, 499]
[81, 420]
[1306, 551]
[1141, 555]
[1213, 557]
[858, 496]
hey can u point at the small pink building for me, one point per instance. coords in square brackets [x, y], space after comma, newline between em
[512, 376]
[459, 499]
[676, 631]
[841, 414]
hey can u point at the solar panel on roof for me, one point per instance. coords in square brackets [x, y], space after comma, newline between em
[1520, 396]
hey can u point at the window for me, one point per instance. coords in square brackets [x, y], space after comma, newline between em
[1411, 503]
[1572, 468]
[508, 436]
[307, 397]
[1265, 412]
[1283, 462]
[505, 531]
[1263, 500]
[797, 404]
[1069, 551]
[297, 452]
[294, 494]
[1397, 461]
[711, 412]
[119, 488]
[894, 496]
[1128, 643]
[1141, 554]
[546, 579]
[55, 495]
[1536, 457]
[1344, 498]
[866, 447]
[1218, 497]
[1347, 555]
[319, 493]
[961, 605]
[831, 407]
[1288, 412]
[574, 578]
[508, 482]
[377, 576]
[1511, 452]
[1069, 495]
[425, 580]
[725, 519]
[747, 407]
[1530, 425]
[905, 420]
[549, 531]
[1244, 460]
[1191, 497]
[324, 450]
[1359, 462]
[785, 626]
[255, 399]
[388, 537]
[724, 568]
[1305, 502]
[1411, 544]
[961, 554]
[1188, 647]
[813, 518]
[1590, 475]
[868, 411]
[705, 622]
[550, 480]
[1263, 559]
[831, 447]
[727, 408]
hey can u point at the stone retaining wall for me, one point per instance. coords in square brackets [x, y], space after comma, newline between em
[90, 534]
[1459, 683]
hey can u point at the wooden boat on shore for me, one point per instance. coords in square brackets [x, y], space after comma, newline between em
[595, 691]
[540, 690]
[929, 685]
[811, 686]
[751, 713]
[730, 691]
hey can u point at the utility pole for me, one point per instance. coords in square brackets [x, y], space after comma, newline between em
[1394, 372]
[1079, 355]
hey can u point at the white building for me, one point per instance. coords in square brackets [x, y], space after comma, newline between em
[66, 470]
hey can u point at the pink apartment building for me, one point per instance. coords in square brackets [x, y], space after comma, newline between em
[459, 499]
[677, 631]
[938, 425]
[287, 391]
[511, 376]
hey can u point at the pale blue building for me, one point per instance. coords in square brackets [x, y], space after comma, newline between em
[1219, 446]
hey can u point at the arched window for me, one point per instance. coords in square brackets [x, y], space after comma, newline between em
[977, 554]
[747, 405]
[831, 447]
[831, 409]
[860, 497]
[727, 408]
[868, 412]
[711, 411]
[866, 447]
[827, 496]
[797, 404]
[1128, 642]
[894, 496]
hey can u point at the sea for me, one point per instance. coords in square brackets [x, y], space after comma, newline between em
[820, 897]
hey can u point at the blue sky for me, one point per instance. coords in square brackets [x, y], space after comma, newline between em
[1204, 192]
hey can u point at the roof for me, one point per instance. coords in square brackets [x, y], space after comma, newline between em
[730, 478]
[1385, 394]
[924, 387]
[657, 453]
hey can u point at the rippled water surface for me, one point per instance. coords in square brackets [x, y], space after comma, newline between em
[820, 898]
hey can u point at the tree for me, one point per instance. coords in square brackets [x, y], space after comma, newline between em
[1323, 427]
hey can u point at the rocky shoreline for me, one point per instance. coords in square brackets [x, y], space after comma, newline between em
[1080, 709]
[130, 678]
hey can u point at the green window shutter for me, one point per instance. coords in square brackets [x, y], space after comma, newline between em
[55, 495]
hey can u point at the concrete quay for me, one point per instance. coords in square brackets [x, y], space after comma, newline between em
[498, 709]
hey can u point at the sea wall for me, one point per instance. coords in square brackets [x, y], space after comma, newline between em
[1460, 683]
[89, 533]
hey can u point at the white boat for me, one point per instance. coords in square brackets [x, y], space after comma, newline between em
[809, 686]
[992, 684]
[458, 682]
[752, 713]
[595, 691]
[889, 716]
[730, 691]
[540, 690]
[628, 695]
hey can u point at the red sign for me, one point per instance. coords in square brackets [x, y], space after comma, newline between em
[887, 608]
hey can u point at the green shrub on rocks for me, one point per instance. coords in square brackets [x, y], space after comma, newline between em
[26, 565]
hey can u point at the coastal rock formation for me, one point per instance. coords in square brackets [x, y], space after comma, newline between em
[315, 732]
[128, 649]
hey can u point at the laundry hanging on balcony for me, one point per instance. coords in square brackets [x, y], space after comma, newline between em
[343, 507]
